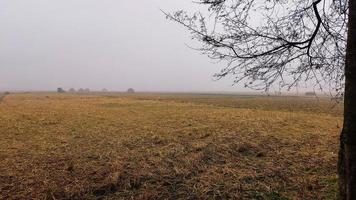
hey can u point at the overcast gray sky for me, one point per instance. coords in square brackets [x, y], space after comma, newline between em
[113, 44]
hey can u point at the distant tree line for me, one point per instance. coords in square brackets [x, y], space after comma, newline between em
[87, 90]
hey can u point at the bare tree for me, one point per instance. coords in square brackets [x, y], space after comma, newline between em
[60, 90]
[268, 42]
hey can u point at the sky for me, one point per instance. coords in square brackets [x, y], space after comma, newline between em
[112, 44]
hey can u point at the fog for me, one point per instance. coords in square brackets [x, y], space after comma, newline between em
[113, 44]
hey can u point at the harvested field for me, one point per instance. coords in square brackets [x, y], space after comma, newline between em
[168, 146]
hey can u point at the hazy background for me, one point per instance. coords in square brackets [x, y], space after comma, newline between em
[113, 44]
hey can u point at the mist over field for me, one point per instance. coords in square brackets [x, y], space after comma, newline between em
[117, 99]
[102, 44]
[99, 44]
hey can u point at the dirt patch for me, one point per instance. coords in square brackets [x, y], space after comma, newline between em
[1, 97]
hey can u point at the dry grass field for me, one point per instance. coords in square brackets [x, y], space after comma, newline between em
[167, 146]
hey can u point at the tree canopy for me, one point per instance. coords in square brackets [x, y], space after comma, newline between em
[267, 42]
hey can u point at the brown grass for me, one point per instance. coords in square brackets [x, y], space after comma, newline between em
[167, 147]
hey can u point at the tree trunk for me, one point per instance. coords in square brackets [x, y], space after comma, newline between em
[347, 153]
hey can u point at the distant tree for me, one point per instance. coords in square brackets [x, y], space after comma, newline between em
[279, 93]
[81, 90]
[130, 90]
[86, 90]
[271, 42]
[6, 93]
[310, 94]
[60, 90]
[104, 90]
[71, 90]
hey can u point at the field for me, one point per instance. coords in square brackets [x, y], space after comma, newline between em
[167, 146]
